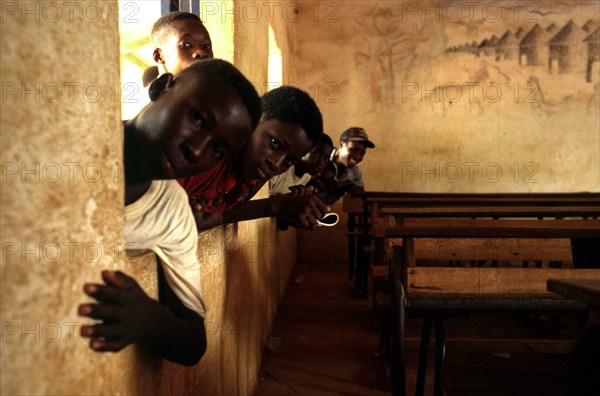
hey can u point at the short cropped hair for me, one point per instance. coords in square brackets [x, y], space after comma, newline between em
[218, 68]
[326, 139]
[290, 104]
[160, 27]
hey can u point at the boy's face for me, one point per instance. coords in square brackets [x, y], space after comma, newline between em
[351, 153]
[273, 147]
[195, 123]
[315, 161]
[187, 41]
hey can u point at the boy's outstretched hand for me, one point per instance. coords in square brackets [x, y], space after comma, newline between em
[127, 314]
[301, 208]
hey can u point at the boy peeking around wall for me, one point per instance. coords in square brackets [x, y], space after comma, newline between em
[196, 119]
[179, 39]
[290, 126]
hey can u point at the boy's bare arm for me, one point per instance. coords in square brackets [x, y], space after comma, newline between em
[128, 316]
[299, 211]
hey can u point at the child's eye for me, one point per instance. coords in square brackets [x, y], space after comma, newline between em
[276, 144]
[196, 117]
[207, 47]
[185, 45]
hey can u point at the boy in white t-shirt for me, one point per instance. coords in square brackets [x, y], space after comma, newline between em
[195, 120]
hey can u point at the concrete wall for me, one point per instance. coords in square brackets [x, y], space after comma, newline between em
[62, 217]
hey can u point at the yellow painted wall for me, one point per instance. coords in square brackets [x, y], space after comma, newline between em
[61, 203]
[448, 121]
[451, 121]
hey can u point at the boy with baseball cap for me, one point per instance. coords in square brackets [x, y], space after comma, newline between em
[353, 146]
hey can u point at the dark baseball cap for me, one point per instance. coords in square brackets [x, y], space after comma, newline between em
[356, 134]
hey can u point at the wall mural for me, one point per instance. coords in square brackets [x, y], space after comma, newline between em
[542, 54]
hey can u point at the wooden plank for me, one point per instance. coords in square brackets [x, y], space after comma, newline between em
[493, 211]
[438, 280]
[370, 196]
[475, 201]
[489, 281]
[496, 228]
[506, 249]
[423, 303]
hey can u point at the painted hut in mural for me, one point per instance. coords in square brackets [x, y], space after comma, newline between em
[507, 47]
[533, 49]
[567, 51]
[488, 46]
[592, 69]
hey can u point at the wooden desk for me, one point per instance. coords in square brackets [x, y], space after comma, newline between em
[420, 289]
[370, 215]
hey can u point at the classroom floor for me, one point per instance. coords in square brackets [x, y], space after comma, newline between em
[325, 342]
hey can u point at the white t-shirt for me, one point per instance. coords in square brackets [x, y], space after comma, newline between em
[280, 184]
[162, 221]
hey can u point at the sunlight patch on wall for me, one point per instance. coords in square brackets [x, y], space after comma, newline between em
[218, 18]
[135, 24]
[275, 73]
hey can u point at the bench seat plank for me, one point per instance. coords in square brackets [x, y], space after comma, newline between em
[489, 281]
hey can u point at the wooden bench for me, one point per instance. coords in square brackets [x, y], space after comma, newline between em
[438, 291]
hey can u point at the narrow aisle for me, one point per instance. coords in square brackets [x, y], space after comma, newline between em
[324, 341]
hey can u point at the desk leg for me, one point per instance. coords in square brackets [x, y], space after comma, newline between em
[423, 353]
[351, 256]
[351, 245]
[586, 358]
[440, 352]
[361, 274]
[397, 370]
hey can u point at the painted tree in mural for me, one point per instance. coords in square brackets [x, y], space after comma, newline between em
[386, 49]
